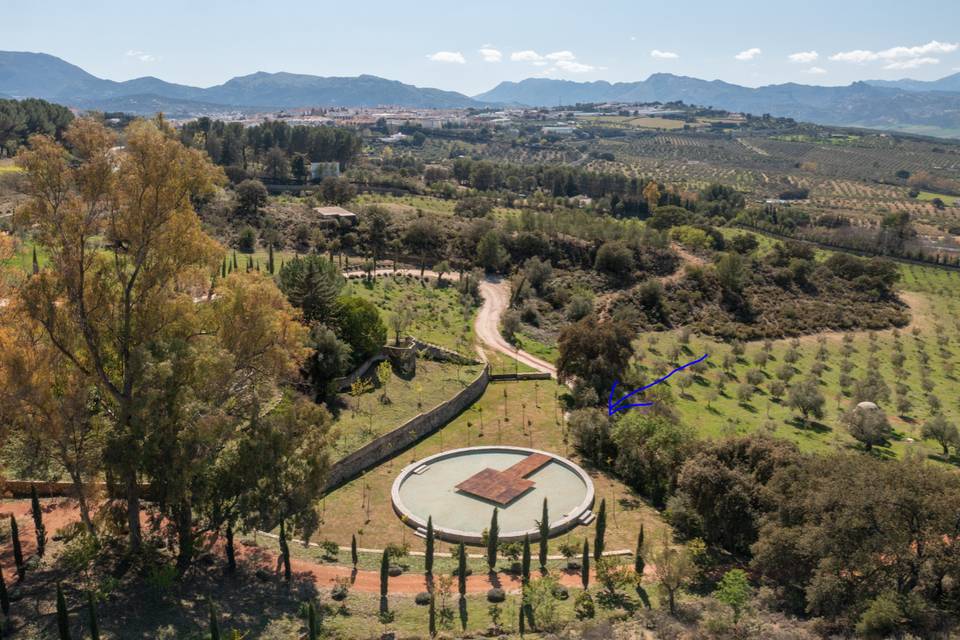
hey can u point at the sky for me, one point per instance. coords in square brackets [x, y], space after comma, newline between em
[470, 47]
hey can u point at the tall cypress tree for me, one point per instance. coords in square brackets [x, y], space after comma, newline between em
[223, 268]
[214, 621]
[36, 263]
[521, 624]
[231, 550]
[601, 530]
[353, 550]
[235, 261]
[312, 627]
[285, 552]
[432, 619]
[270, 264]
[384, 574]
[39, 529]
[17, 549]
[493, 541]
[544, 535]
[585, 565]
[4, 596]
[525, 561]
[63, 617]
[638, 563]
[428, 556]
[462, 570]
[92, 610]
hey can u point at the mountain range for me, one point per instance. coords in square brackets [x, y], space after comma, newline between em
[930, 107]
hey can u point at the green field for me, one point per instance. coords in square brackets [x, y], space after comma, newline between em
[947, 200]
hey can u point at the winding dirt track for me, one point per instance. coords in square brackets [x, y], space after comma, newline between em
[496, 299]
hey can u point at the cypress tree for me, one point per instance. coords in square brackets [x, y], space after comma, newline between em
[231, 552]
[521, 624]
[600, 531]
[285, 552]
[63, 617]
[585, 565]
[223, 268]
[493, 540]
[17, 549]
[353, 550]
[36, 263]
[4, 596]
[214, 621]
[544, 535]
[432, 620]
[312, 629]
[270, 264]
[525, 566]
[638, 563]
[92, 610]
[428, 556]
[462, 570]
[384, 574]
[234, 260]
[41, 531]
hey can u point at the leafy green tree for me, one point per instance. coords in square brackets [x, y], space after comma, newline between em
[943, 431]
[600, 530]
[312, 283]
[493, 541]
[868, 424]
[615, 259]
[300, 167]
[651, 451]
[674, 567]
[375, 230]
[490, 252]
[251, 198]
[805, 396]
[360, 326]
[424, 239]
[594, 353]
[734, 591]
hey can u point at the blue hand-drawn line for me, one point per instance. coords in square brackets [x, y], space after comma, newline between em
[613, 407]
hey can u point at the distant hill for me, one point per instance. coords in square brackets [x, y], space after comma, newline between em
[950, 83]
[858, 104]
[39, 75]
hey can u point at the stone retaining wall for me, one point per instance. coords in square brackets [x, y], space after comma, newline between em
[392, 443]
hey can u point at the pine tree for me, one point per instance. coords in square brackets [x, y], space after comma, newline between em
[544, 535]
[638, 563]
[493, 540]
[41, 531]
[4, 596]
[601, 530]
[214, 621]
[36, 263]
[525, 561]
[353, 550]
[270, 264]
[428, 555]
[384, 574]
[17, 549]
[585, 565]
[92, 610]
[462, 570]
[312, 628]
[63, 617]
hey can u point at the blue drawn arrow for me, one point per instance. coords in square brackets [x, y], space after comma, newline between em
[613, 407]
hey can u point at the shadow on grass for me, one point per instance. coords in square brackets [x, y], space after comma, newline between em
[809, 425]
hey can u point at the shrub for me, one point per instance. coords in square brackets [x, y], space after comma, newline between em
[422, 598]
[496, 595]
[583, 606]
[396, 551]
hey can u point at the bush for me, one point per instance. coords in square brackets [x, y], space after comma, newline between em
[583, 606]
[422, 598]
[496, 595]
[247, 240]
[397, 551]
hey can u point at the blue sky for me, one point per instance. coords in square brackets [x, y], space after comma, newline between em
[470, 47]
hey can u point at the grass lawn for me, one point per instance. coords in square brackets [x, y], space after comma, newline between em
[947, 200]
[440, 317]
[530, 415]
[548, 352]
[366, 417]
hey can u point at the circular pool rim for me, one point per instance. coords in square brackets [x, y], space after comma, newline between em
[566, 523]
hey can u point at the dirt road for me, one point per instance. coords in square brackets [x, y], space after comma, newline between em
[496, 299]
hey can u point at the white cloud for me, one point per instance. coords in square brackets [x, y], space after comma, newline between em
[815, 71]
[561, 55]
[803, 57]
[575, 67]
[141, 56]
[452, 57]
[923, 51]
[489, 54]
[664, 55]
[912, 63]
[749, 54]
[526, 56]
